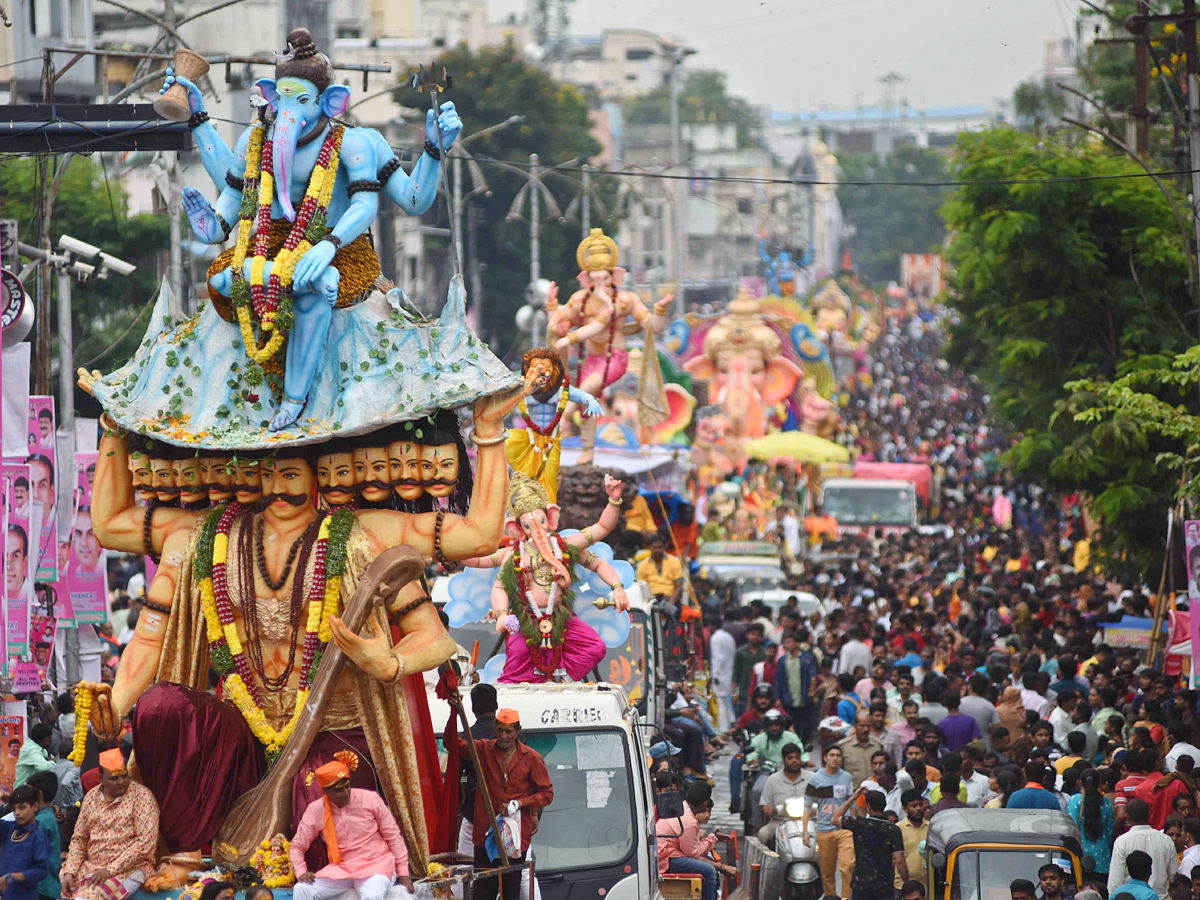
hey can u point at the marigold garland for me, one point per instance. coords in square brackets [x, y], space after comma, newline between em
[226, 652]
[275, 869]
[269, 300]
[83, 711]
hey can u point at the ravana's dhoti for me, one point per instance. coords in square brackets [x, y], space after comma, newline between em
[206, 731]
[356, 262]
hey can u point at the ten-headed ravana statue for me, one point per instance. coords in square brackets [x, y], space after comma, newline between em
[299, 191]
[260, 593]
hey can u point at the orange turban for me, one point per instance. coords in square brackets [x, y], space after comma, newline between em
[344, 763]
[508, 717]
[112, 760]
[331, 773]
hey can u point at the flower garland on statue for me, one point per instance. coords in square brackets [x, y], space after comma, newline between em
[83, 710]
[547, 432]
[226, 652]
[271, 302]
[543, 629]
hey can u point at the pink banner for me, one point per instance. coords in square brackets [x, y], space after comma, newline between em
[87, 598]
[42, 485]
[1191, 542]
[12, 735]
[19, 548]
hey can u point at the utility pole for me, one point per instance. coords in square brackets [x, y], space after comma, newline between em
[1141, 79]
[678, 198]
[1193, 115]
[535, 218]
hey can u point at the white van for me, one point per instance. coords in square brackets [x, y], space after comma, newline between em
[596, 839]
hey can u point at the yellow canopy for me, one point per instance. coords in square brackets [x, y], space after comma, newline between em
[804, 448]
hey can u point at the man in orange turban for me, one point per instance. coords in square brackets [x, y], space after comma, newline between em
[366, 849]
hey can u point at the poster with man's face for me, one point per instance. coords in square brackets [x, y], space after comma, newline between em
[42, 485]
[12, 735]
[20, 521]
[86, 560]
[1191, 543]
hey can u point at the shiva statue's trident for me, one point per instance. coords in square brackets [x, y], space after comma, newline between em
[426, 80]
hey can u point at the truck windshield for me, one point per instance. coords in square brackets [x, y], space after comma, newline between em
[986, 874]
[590, 823]
[626, 664]
[871, 506]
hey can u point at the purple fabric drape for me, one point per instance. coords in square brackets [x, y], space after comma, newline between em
[197, 755]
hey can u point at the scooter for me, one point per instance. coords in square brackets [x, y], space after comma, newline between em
[801, 873]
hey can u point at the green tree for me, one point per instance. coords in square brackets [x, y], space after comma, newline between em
[703, 97]
[891, 221]
[1038, 108]
[1057, 281]
[93, 208]
[489, 87]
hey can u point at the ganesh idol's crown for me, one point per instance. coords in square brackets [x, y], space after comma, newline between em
[741, 328]
[597, 251]
[525, 495]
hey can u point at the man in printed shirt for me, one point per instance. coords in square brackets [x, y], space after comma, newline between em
[365, 847]
[112, 850]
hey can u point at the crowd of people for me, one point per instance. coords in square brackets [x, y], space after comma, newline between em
[962, 665]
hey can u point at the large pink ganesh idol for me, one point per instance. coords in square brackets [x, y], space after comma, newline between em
[746, 373]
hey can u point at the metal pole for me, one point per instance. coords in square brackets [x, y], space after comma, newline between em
[535, 215]
[1193, 117]
[458, 207]
[679, 195]
[587, 200]
[66, 344]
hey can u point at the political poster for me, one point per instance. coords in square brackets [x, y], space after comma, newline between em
[12, 735]
[1191, 543]
[21, 520]
[87, 562]
[42, 485]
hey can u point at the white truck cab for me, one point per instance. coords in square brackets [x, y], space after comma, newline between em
[596, 839]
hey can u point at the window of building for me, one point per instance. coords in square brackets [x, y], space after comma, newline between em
[634, 54]
[348, 32]
[745, 207]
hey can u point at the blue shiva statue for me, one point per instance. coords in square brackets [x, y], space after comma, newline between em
[300, 190]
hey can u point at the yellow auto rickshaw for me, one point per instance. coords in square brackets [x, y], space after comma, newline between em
[974, 854]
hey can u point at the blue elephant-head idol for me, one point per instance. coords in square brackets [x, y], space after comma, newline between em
[299, 191]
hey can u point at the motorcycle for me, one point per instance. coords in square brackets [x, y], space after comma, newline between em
[801, 878]
[754, 777]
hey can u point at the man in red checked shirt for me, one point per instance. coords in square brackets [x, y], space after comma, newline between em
[512, 773]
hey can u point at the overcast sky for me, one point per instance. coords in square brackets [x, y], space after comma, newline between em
[796, 54]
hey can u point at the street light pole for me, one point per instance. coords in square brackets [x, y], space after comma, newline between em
[535, 216]
[458, 206]
[66, 344]
[586, 216]
[679, 187]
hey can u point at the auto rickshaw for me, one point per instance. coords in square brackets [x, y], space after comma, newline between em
[974, 854]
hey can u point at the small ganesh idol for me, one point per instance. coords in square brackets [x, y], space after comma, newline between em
[533, 599]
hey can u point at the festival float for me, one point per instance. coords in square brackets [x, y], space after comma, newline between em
[292, 457]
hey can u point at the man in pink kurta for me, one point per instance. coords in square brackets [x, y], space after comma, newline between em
[366, 849]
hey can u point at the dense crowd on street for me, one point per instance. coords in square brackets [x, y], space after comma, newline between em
[956, 666]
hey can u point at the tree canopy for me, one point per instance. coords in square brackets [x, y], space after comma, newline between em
[891, 221]
[94, 208]
[1054, 281]
[703, 97]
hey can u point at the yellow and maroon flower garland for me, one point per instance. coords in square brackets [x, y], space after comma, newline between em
[226, 652]
[271, 302]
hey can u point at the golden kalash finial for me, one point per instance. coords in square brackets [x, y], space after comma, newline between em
[596, 252]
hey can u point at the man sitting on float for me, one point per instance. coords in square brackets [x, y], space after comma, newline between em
[365, 847]
[112, 850]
